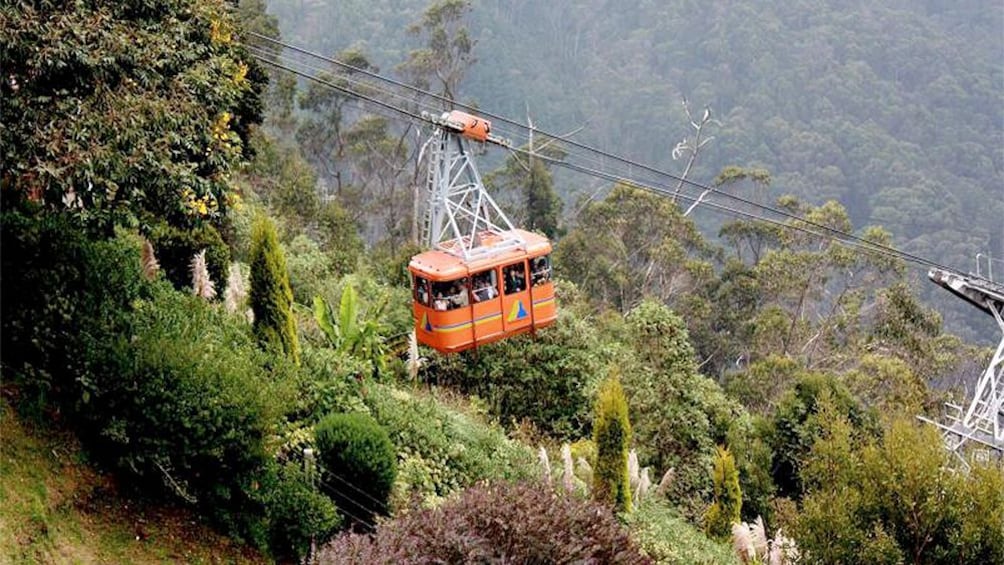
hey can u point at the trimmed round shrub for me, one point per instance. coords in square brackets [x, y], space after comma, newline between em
[359, 464]
[495, 523]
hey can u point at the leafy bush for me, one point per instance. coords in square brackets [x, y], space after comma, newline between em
[60, 288]
[612, 435]
[678, 415]
[894, 498]
[270, 295]
[340, 237]
[441, 451]
[175, 247]
[548, 379]
[360, 464]
[296, 511]
[328, 382]
[180, 403]
[310, 269]
[796, 428]
[495, 523]
[669, 539]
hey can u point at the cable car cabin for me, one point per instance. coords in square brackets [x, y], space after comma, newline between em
[459, 305]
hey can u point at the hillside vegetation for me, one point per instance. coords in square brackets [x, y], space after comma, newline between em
[58, 509]
[205, 295]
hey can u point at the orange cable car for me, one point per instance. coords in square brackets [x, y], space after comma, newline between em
[483, 280]
[459, 305]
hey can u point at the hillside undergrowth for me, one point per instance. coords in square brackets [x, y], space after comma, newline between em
[57, 509]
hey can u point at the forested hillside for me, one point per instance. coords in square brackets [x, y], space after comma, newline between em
[208, 316]
[892, 109]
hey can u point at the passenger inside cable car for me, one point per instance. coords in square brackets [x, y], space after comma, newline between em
[485, 287]
[540, 270]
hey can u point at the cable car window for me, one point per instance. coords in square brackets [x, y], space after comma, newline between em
[422, 291]
[485, 285]
[515, 278]
[540, 269]
[450, 295]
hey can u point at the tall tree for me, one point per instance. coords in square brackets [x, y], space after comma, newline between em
[125, 112]
[271, 297]
[527, 187]
[448, 51]
[633, 245]
[321, 133]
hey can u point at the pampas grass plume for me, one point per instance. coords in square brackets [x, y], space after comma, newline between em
[202, 285]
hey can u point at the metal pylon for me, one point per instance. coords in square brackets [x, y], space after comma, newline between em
[982, 421]
[460, 214]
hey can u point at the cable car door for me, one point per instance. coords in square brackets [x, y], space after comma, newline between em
[516, 305]
[487, 305]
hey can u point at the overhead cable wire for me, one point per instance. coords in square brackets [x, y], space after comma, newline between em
[837, 234]
[502, 131]
[386, 105]
[332, 490]
[664, 191]
[344, 481]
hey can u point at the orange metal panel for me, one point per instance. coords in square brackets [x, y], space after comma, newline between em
[474, 127]
[545, 310]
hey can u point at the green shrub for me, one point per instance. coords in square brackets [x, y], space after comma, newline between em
[310, 269]
[297, 512]
[678, 415]
[795, 427]
[669, 539]
[175, 248]
[182, 403]
[60, 289]
[612, 435]
[340, 237]
[548, 380]
[270, 296]
[495, 523]
[360, 464]
[328, 382]
[726, 508]
[441, 450]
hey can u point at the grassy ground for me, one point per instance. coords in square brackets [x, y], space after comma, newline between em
[55, 509]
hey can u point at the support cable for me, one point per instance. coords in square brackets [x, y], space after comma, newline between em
[836, 234]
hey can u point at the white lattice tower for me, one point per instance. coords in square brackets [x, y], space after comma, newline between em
[982, 421]
[459, 213]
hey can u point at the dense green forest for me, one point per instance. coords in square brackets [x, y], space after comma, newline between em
[894, 110]
[204, 280]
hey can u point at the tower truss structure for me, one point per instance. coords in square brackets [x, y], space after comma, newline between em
[981, 422]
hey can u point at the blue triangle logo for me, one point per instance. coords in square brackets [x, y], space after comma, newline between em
[425, 323]
[517, 312]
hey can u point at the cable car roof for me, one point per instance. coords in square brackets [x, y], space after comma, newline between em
[441, 265]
